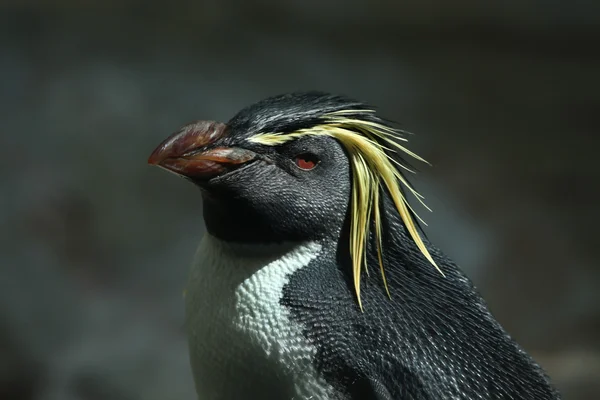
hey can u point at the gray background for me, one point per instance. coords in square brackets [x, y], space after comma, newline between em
[504, 98]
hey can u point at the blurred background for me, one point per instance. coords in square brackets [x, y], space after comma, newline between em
[504, 98]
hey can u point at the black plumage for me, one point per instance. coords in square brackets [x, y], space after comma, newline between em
[435, 339]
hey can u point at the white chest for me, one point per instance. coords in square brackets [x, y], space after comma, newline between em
[243, 343]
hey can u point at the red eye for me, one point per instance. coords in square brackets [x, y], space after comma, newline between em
[306, 161]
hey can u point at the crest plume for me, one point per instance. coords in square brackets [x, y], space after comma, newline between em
[370, 145]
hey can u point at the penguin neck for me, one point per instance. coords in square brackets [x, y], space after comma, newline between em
[236, 221]
[233, 221]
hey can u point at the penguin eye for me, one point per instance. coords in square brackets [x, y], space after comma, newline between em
[306, 161]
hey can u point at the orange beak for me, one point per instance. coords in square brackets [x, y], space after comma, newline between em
[189, 152]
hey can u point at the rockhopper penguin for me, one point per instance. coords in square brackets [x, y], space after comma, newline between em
[314, 281]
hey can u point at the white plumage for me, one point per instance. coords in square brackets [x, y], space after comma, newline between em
[243, 343]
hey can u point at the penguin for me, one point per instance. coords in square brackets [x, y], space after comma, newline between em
[314, 279]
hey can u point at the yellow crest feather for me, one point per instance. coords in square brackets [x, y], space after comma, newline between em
[372, 168]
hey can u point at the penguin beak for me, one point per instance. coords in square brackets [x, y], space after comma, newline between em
[192, 153]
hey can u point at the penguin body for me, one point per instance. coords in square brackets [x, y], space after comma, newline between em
[441, 343]
[297, 195]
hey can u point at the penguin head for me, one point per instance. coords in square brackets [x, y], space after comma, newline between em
[295, 167]
[297, 190]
